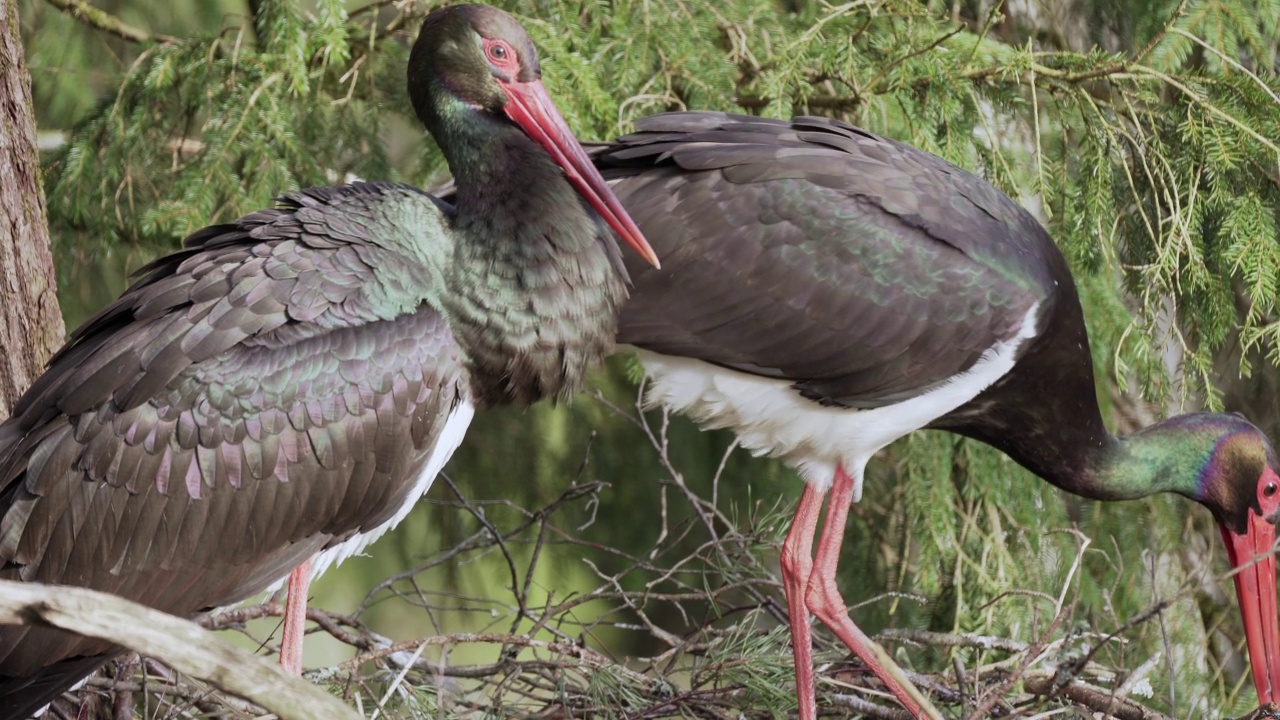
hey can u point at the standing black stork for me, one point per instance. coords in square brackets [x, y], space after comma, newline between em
[825, 291]
[290, 383]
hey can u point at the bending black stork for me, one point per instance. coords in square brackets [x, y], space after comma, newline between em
[289, 384]
[825, 291]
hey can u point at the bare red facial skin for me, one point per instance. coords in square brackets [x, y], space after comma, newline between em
[1252, 555]
[502, 57]
[530, 107]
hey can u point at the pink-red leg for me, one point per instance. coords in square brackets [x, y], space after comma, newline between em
[797, 563]
[824, 601]
[295, 619]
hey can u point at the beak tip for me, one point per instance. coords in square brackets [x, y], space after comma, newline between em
[652, 257]
[637, 241]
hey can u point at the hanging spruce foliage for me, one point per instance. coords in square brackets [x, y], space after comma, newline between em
[1145, 135]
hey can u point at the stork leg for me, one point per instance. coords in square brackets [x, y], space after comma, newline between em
[797, 563]
[824, 600]
[295, 619]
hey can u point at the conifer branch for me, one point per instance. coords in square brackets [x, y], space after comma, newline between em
[1169, 188]
[108, 23]
[1164, 30]
[875, 81]
[371, 7]
[844, 103]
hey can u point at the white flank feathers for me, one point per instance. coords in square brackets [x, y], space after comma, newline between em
[771, 418]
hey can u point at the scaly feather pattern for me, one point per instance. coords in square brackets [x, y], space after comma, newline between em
[272, 390]
[290, 383]
[537, 313]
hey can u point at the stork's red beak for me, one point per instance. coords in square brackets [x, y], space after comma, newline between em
[531, 108]
[1252, 555]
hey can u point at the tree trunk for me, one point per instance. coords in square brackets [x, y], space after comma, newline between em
[30, 320]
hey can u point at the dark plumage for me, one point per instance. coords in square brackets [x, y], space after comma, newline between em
[828, 263]
[290, 383]
[275, 387]
[825, 291]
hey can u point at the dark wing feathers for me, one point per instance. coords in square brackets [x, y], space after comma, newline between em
[864, 270]
[272, 389]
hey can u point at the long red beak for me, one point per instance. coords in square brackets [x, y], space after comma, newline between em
[531, 108]
[1252, 555]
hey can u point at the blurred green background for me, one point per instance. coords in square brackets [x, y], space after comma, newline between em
[1166, 210]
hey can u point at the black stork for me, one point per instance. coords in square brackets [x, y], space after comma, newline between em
[289, 384]
[825, 291]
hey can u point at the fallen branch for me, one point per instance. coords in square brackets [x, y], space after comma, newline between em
[179, 643]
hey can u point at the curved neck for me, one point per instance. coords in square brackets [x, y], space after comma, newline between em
[512, 199]
[1164, 457]
[1169, 456]
[1044, 414]
[533, 288]
[511, 194]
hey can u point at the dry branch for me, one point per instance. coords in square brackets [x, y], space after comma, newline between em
[108, 23]
[181, 644]
[705, 597]
[1096, 699]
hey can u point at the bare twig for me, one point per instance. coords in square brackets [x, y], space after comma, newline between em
[1095, 699]
[108, 23]
[180, 643]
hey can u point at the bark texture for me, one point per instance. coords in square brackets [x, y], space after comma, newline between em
[30, 320]
[181, 644]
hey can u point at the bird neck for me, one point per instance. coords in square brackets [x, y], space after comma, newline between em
[1158, 458]
[534, 285]
[1044, 414]
[1169, 456]
[1174, 455]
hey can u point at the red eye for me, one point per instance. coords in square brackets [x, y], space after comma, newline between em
[501, 54]
[1269, 493]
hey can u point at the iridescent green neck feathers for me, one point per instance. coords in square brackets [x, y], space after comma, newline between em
[1212, 458]
[535, 283]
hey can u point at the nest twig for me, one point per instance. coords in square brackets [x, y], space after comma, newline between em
[705, 601]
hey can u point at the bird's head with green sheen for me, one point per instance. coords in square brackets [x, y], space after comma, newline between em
[1237, 480]
[475, 62]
